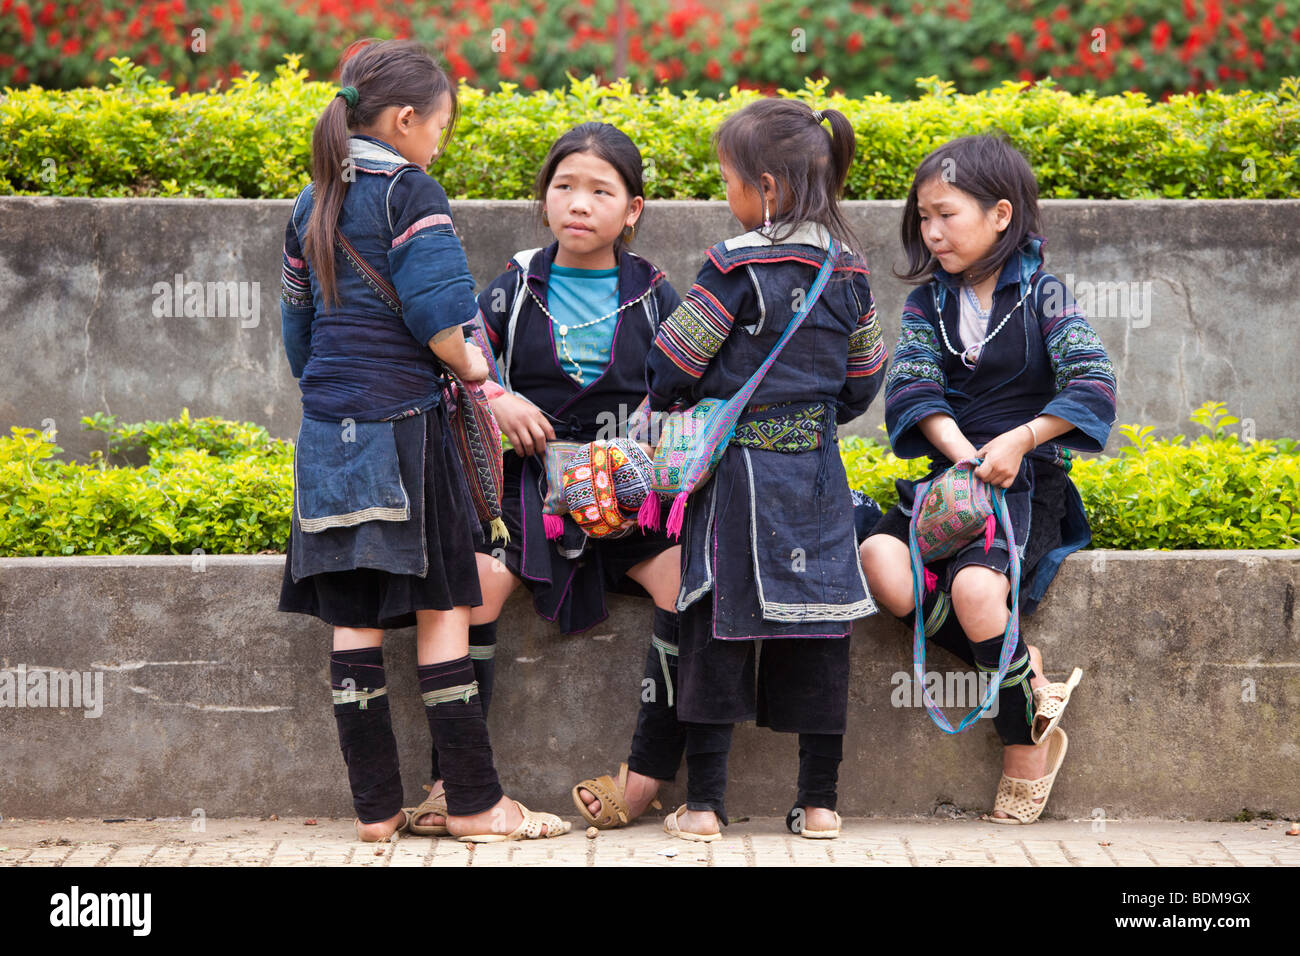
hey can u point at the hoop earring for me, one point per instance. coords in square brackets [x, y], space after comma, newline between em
[767, 220]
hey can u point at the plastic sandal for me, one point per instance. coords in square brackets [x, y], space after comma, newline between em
[672, 828]
[392, 837]
[809, 834]
[1050, 701]
[435, 805]
[612, 795]
[530, 828]
[1017, 796]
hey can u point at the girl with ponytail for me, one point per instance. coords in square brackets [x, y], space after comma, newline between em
[769, 550]
[376, 289]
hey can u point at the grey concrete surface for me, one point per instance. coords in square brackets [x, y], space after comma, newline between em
[213, 701]
[755, 841]
[1193, 300]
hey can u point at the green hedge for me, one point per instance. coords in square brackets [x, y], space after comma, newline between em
[135, 138]
[227, 488]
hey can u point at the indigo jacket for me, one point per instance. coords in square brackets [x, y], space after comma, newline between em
[771, 536]
[1046, 360]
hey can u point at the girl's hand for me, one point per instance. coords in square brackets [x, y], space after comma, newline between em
[1002, 457]
[522, 422]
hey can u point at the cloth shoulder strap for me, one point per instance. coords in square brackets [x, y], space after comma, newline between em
[741, 398]
[524, 258]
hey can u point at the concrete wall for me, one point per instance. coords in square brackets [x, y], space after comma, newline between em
[213, 700]
[1204, 309]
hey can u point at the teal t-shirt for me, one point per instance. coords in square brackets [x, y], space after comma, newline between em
[574, 297]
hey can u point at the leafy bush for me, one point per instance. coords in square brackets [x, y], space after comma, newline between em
[135, 138]
[227, 488]
[219, 486]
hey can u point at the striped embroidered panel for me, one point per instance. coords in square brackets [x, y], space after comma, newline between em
[692, 335]
[295, 283]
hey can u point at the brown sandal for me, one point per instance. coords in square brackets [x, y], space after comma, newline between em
[612, 795]
[435, 805]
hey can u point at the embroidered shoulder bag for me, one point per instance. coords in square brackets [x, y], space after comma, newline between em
[948, 513]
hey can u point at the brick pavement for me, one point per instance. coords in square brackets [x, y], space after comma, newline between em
[754, 842]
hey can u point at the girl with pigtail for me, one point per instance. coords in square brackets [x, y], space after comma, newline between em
[376, 289]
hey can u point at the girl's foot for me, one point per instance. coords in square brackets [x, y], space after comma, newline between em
[500, 819]
[381, 831]
[696, 823]
[1026, 761]
[640, 792]
[819, 818]
[432, 819]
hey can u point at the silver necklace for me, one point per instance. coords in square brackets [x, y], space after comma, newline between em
[970, 357]
[564, 329]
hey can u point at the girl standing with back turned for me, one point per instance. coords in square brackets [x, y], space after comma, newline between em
[375, 291]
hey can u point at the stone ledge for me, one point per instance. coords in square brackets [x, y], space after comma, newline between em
[213, 700]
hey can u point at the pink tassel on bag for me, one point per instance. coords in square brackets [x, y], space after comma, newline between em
[648, 516]
[989, 527]
[677, 516]
[931, 580]
[554, 526]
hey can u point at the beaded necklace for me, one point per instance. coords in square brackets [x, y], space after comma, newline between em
[970, 357]
[565, 329]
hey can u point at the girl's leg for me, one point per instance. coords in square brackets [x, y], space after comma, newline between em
[707, 749]
[475, 801]
[496, 583]
[366, 730]
[659, 740]
[979, 597]
[888, 567]
[819, 764]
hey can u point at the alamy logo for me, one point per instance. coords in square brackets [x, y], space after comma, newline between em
[953, 689]
[208, 300]
[22, 686]
[75, 908]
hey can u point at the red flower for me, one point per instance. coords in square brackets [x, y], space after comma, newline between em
[1061, 13]
[529, 26]
[20, 73]
[1138, 62]
[25, 21]
[713, 70]
[1267, 29]
[738, 55]
[72, 47]
[1213, 12]
[54, 39]
[1016, 45]
[530, 82]
[1045, 42]
[855, 42]
[979, 64]
[1259, 60]
[1160, 36]
[1189, 9]
[1040, 24]
[1224, 73]
[46, 16]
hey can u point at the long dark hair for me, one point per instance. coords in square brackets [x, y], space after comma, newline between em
[385, 73]
[810, 165]
[988, 169]
[603, 141]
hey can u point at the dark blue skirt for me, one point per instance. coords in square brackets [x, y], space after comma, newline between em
[441, 512]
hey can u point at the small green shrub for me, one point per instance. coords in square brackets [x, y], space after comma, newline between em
[134, 138]
[227, 488]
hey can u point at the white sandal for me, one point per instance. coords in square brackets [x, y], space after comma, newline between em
[1017, 797]
[1049, 702]
[530, 828]
[672, 828]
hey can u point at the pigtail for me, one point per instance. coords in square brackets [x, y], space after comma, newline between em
[843, 146]
[329, 150]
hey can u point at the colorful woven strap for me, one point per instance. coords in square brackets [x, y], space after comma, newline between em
[1010, 639]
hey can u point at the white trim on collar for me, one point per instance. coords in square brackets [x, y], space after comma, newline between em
[806, 234]
[368, 149]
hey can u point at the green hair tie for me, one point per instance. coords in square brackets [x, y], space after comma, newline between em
[349, 93]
